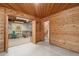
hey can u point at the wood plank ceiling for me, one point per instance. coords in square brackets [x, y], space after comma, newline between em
[40, 10]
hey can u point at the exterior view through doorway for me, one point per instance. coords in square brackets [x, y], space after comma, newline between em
[19, 31]
[46, 31]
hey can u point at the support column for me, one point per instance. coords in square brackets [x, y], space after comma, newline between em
[37, 31]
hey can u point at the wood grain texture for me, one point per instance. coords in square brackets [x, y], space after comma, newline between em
[34, 31]
[4, 13]
[64, 29]
[14, 13]
[39, 10]
[37, 31]
[1, 30]
[40, 31]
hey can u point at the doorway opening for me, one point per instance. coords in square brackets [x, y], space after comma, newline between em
[46, 31]
[19, 31]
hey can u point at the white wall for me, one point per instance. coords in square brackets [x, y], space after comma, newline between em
[24, 26]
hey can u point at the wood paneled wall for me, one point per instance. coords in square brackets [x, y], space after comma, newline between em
[19, 14]
[39, 31]
[64, 29]
[4, 13]
[2, 29]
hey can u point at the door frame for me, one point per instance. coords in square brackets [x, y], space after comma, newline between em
[6, 40]
[48, 30]
[6, 34]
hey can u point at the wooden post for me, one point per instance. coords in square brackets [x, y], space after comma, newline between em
[37, 31]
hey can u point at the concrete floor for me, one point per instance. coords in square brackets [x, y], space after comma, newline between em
[19, 41]
[40, 49]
